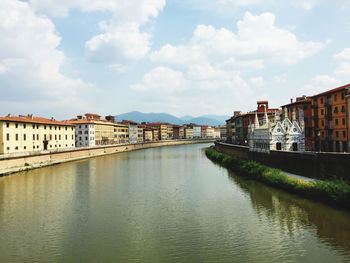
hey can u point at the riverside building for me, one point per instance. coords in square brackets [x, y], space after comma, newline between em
[330, 113]
[26, 133]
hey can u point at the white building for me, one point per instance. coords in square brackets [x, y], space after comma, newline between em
[283, 135]
[197, 130]
[84, 134]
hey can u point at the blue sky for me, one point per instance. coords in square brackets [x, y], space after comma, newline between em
[184, 57]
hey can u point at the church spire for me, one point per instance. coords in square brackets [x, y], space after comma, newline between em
[265, 119]
[256, 121]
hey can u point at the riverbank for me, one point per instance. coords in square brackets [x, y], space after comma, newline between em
[336, 193]
[18, 163]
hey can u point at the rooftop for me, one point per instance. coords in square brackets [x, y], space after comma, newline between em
[32, 119]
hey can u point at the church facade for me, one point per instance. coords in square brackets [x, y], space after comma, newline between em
[281, 135]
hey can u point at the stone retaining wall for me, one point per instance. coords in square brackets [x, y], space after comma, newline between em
[318, 165]
[12, 164]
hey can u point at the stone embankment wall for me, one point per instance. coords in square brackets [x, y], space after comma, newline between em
[12, 164]
[317, 165]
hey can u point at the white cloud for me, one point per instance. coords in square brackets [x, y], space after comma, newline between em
[320, 83]
[3, 69]
[118, 67]
[31, 60]
[257, 81]
[343, 55]
[257, 38]
[343, 70]
[121, 39]
[161, 80]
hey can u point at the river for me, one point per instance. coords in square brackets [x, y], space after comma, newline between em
[167, 204]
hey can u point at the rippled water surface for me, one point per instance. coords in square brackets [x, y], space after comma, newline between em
[167, 204]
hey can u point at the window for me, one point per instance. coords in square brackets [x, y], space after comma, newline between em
[16, 125]
[55, 127]
[342, 95]
[50, 136]
[37, 146]
[8, 148]
[25, 147]
[80, 132]
[306, 120]
[344, 134]
[335, 109]
[50, 127]
[322, 122]
[44, 127]
[33, 137]
[55, 137]
[37, 126]
[16, 148]
[7, 136]
[343, 109]
[24, 137]
[79, 138]
[33, 126]
[343, 121]
[322, 134]
[72, 137]
[59, 137]
[33, 147]
[65, 128]
[85, 126]
[7, 124]
[86, 138]
[59, 127]
[79, 126]
[24, 126]
[16, 136]
[37, 136]
[336, 134]
[66, 137]
[335, 97]
[321, 100]
[322, 112]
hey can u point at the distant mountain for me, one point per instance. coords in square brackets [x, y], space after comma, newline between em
[186, 117]
[206, 121]
[164, 117]
[221, 118]
[148, 117]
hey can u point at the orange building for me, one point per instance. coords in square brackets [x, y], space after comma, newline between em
[330, 120]
[302, 103]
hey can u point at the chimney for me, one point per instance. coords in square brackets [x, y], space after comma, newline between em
[30, 116]
[52, 118]
[9, 115]
[291, 100]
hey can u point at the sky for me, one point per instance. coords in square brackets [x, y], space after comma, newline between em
[60, 58]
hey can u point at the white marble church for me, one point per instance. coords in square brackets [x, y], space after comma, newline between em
[280, 135]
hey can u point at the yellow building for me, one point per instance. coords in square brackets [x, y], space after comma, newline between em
[162, 129]
[170, 134]
[182, 132]
[121, 133]
[189, 133]
[148, 134]
[27, 133]
[139, 133]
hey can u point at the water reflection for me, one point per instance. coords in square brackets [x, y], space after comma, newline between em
[291, 213]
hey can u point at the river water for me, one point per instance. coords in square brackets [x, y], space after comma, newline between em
[168, 204]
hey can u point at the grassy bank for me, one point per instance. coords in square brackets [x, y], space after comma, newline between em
[335, 192]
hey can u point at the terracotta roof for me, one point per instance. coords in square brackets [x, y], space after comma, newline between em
[332, 90]
[92, 114]
[127, 121]
[298, 102]
[159, 123]
[91, 121]
[36, 120]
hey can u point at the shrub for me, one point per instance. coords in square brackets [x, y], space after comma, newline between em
[336, 192]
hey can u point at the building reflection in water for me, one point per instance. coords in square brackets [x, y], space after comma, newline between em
[292, 213]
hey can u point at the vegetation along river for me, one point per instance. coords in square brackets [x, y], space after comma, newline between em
[168, 204]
